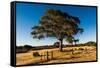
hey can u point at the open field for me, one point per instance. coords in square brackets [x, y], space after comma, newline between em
[48, 56]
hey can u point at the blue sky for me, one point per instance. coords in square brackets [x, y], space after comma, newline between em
[28, 15]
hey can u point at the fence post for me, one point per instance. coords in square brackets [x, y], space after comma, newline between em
[47, 56]
[51, 54]
[41, 56]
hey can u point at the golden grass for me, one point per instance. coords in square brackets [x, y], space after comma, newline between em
[87, 54]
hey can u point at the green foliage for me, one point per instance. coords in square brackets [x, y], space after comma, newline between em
[76, 40]
[56, 44]
[90, 43]
[23, 49]
[69, 40]
[58, 24]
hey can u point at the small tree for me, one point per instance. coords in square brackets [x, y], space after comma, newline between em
[70, 40]
[56, 44]
[76, 40]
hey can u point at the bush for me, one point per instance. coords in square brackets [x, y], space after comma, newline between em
[81, 48]
[36, 54]
[56, 44]
[21, 49]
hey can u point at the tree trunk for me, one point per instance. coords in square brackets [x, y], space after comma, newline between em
[61, 45]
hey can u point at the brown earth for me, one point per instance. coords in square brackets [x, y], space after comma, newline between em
[82, 53]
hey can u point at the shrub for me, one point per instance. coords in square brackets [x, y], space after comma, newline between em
[36, 54]
[56, 44]
[81, 48]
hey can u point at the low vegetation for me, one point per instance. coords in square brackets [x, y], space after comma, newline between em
[53, 55]
[26, 48]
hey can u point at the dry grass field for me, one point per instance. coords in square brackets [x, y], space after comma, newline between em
[82, 53]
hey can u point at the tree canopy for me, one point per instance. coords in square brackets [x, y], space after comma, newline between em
[55, 23]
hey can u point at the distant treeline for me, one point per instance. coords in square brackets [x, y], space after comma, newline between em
[26, 48]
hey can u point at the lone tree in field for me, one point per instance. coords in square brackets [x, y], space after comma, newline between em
[58, 24]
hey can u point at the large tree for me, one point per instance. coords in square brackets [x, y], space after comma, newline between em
[58, 24]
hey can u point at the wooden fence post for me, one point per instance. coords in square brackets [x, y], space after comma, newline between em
[47, 56]
[51, 54]
[41, 56]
